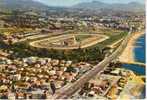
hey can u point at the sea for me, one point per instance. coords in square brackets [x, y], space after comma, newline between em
[139, 52]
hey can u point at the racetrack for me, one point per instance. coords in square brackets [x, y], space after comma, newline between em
[48, 42]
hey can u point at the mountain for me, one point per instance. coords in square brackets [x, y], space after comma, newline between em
[91, 5]
[96, 5]
[21, 4]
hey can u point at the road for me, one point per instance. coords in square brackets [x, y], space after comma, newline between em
[66, 92]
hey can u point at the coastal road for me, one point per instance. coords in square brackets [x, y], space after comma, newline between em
[67, 91]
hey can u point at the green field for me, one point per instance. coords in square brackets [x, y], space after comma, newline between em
[82, 37]
[113, 39]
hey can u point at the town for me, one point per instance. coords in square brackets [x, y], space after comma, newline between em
[46, 51]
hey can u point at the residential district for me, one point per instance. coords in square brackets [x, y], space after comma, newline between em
[44, 52]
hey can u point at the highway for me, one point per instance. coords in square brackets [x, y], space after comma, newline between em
[68, 91]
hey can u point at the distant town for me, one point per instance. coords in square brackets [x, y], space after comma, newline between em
[69, 53]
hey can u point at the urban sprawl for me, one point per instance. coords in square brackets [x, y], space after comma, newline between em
[44, 52]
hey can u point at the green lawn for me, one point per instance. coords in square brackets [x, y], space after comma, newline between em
[82, 37]
[113, 38]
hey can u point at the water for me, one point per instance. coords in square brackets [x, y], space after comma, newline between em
[135, 68]
[139, 52]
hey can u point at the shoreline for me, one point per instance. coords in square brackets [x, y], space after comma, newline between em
[128, 55]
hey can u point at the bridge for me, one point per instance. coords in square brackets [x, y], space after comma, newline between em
[69, 90]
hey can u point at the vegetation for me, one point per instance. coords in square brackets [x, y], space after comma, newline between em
[113, 38]
[93, 53]
[7, 31]
[82, 37]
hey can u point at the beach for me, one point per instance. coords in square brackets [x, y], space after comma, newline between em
[127, 55]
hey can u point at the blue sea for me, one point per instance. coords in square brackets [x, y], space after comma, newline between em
[139, 52]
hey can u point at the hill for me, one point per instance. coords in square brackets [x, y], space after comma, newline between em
[97, 5]
[21, 4]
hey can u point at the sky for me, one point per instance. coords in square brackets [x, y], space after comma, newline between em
[73, 2]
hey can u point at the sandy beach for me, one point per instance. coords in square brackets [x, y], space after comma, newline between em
[128, 54]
